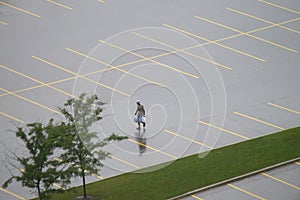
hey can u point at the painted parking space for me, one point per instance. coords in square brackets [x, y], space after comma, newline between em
[57, 48]
[279, 183]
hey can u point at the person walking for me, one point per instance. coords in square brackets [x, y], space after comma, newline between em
[140, 114]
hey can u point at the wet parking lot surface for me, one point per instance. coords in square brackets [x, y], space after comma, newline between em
[279, 183]
[209, 74]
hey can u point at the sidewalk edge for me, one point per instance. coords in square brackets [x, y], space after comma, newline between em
[234, 179]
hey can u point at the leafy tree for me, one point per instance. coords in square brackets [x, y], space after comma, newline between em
[82, 146]
[59, 151]
[38, 170]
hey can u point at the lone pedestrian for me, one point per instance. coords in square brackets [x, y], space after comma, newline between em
[140, 114]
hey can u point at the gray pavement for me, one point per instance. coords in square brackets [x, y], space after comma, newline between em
[279, 183]
[210, 73]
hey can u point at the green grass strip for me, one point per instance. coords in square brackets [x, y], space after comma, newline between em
[191, 172]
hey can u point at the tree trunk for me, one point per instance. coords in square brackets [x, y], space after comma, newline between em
[82, 166]
[39, 190]
[83, 182]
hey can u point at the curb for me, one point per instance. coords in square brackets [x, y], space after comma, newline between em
[234, 179]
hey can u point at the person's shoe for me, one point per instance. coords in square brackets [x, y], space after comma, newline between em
[138, 128]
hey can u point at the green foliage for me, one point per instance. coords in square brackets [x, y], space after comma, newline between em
[190, 173]
[38, 170]
[83, 148]
[59, 151]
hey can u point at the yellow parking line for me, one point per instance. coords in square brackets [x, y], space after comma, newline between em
[186, 52]
[3, 23]
[59, 4]
[58, 186]
[125, 162]
[38, 86]
[278, 6]
[156, 56]
[284, 108]
[66, 79]
[20, 9]
[248, 15]
[137, 61]
[95, 175]
[258, 120]
[263, 20]
[30, 101]
[12, 194]
[189, 139]
[144, 59]
[222, 39]
[297, 163]
[11, 117]
[90, 73]
[114, 67]
[289, 29]
[212, 42]
[35, 80]
[281, 181]
[153, 57]
[253, 36]
[198, 198]
[289, 21]
[159, 56]
[183, 31]
[222, 129]
[245, 191]
[273, 43]
[77, 76]
[98, 176]
[148, 59]
[54, 65]
[55, 184]
[244, 33]
[154, 149]
[102, 1]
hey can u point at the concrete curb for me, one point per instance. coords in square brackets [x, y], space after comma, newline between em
[234, 179]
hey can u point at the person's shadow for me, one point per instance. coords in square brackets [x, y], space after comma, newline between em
[141, 139]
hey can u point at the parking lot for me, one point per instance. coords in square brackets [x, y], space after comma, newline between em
[209, 74]
[279, 183]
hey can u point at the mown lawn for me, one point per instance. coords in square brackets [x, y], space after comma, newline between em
[191, 172]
